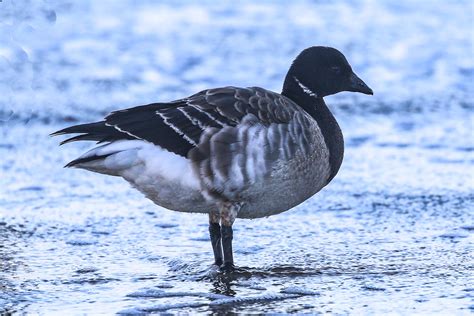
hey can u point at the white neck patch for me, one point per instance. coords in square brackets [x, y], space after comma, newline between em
[306, 89]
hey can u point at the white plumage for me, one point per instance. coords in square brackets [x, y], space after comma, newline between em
[137, 160]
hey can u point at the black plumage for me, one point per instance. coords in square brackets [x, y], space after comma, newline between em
[177, 126]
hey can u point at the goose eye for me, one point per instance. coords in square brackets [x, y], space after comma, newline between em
[336, 69]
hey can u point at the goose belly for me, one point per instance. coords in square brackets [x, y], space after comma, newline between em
[171, 194]
[289, 184]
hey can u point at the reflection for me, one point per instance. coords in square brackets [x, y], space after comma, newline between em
[223, 286]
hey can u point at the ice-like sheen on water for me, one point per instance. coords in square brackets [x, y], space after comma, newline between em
[393, 232]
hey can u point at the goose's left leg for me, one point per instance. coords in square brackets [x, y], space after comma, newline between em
[228, 214]
[215, 233]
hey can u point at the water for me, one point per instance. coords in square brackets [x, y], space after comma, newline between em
[393, 233]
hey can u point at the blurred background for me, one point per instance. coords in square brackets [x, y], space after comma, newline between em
[392, 233]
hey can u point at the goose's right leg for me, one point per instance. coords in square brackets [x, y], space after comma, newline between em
[228, 213]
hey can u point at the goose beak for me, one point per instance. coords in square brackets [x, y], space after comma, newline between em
[357, 85]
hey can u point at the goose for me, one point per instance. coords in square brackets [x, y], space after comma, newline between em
[229, 152]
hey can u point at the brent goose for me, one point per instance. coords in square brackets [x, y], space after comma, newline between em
[229, 152]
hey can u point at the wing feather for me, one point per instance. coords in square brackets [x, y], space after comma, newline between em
[178, 126]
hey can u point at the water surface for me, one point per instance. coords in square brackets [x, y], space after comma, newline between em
[393, 232]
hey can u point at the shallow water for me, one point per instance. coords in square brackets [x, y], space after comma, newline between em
[393, 233]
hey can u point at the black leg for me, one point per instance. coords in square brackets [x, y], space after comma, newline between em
[227, 235]
[228, 213]
[215, 232]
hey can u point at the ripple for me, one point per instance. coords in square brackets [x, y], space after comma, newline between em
[159, 308]
[166, 225]
[156, 293]
[373, 288]
[86, 270]
[81, 242]
[253, 299]
[298, 290]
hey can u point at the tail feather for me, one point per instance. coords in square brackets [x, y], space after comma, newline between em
[97, 131]
[96, 127]
[85, 159]
[97, 138]
[93, 160]
[122, 154]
